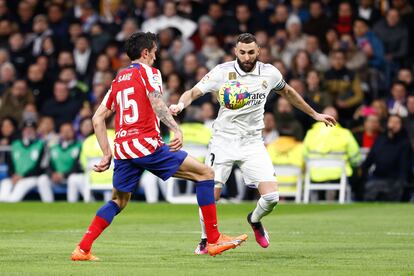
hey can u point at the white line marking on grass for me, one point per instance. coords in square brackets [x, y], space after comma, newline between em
[398, 234]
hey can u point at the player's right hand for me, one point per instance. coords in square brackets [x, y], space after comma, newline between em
[104, 164]
[177, 142]
[176, 108]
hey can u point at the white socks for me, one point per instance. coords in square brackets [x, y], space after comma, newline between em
[265, 205]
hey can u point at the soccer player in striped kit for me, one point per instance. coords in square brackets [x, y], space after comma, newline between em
[237, 134]
[136, 98]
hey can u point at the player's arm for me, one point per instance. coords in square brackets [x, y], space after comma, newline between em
[185, 100]
[163, 113]
[100, 131]
[296, 100]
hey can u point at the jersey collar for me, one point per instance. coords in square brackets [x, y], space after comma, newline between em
[134, 65]
[256, 70]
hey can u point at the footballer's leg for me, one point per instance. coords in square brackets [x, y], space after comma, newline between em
[258, 170]
[203, 175]
[267, 202]
[102, 220]
[201, 248]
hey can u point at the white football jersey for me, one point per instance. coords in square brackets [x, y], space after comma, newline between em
[259, 82]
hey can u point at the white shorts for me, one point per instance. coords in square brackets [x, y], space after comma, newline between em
[249, 153]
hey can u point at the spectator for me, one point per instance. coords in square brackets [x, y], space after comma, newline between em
[19, 54]
[62, 107]
[278, 20]
[405, 75]
[7, 77]
[212, 52]
[15, 99]
[297, 40]
[356, 60]
[57, 22]
[319, 60]
[269, 131]
[205, 29]
[244, 21]
[189, 70]
[40, 87]
[25, 168]
[129, 27]
[40, 32]
[25, 12]
[391, 156]
[208, 114]
[224, 25]
[394, 35]
[298, 8]
[46, 131]
[318, 24]
[84, 58]
[368, 43]
[77, 89]
[397, 102]
[64, 166]
[368, 134]
[322, 141]
[85, 128]
[315, 90]
[344, 86]
[99, 38]
[343, 22]
[8, 131]
[169, 19]
[262, 14]
[75, 31]
[367, 10]
[103, 64]
[301, 65]
[89, 16]
[285, 119]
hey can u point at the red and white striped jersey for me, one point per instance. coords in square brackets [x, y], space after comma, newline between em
[136, 125]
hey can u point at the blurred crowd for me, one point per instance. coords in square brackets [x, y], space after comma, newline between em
[347, 58]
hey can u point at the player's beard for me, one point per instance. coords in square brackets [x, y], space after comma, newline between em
[246, 66]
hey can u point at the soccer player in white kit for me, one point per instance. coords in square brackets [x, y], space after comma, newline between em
[237, 134]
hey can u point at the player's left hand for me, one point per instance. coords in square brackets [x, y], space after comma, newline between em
[327, 119]
[104, 164]
[177, 142]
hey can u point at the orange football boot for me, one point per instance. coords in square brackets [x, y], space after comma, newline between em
[225, 243]
[79, 255]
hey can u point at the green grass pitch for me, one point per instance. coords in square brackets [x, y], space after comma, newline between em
[354, 239]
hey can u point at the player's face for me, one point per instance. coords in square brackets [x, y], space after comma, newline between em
[150, 55]
[247, 54]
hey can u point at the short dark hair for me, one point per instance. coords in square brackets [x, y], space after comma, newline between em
[139, 41]
[246, 38]
[398, 82]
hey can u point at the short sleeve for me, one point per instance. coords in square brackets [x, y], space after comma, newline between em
[108, 100]
[277, 82]
[152, 79]
[211, 82]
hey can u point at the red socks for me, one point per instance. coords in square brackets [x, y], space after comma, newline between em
[210, 222]
[95, 229]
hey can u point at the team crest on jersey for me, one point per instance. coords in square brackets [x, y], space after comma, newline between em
[264, 84]
[232, 75]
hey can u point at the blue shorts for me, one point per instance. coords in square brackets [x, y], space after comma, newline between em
[163, 163]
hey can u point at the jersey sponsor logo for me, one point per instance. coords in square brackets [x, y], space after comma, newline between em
[256, 98]
[232, 75]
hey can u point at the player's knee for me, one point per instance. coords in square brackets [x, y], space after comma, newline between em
[271, 199]
[206, 173]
